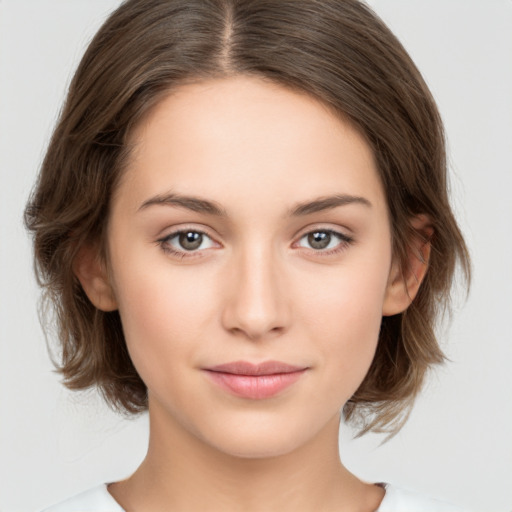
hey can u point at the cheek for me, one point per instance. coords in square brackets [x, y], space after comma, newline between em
[345, 316]
[163, 311]
[351, 294]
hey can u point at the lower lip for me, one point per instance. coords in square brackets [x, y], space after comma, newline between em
[256, 387]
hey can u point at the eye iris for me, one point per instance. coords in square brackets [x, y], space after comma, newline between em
[190, 240]
[319, 240]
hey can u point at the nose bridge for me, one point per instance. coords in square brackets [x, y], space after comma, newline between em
[257, 304]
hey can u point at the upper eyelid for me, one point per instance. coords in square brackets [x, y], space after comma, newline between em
[185, 229]
[343, 232]
[301, 233]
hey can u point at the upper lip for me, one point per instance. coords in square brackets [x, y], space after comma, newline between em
[246, 368]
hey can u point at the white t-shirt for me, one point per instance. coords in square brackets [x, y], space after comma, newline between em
[99, 499]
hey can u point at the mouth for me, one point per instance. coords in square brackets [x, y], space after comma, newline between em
[255, 381]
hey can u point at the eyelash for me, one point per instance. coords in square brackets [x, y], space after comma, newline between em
[344, 242]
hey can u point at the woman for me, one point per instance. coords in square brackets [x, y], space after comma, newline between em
[242, 222]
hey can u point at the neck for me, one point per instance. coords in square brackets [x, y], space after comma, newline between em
[181, 472]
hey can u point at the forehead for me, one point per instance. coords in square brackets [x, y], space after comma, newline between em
[218, 138]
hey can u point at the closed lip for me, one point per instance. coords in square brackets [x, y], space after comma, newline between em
[247, 368]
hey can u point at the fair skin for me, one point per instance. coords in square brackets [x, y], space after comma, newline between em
[255, 287]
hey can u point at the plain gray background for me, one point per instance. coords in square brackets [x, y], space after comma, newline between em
[458, 442]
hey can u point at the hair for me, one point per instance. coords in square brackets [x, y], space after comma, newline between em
[338, 52]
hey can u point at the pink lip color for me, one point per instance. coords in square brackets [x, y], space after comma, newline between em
[255, 381]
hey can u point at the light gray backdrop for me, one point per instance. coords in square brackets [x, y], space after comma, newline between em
[458, 442]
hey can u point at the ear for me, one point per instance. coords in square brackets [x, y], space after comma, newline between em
[404, 283]
[92, 273]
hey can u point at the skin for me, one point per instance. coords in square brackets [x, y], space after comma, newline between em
[255, 290]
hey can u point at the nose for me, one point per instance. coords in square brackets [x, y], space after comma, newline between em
[256, 305]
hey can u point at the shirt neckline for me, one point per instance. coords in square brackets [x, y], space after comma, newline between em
[113, 501]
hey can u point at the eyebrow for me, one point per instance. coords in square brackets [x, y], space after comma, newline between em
[197, 204]
[327, 203]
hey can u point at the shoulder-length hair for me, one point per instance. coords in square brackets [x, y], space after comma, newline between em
[337, 51]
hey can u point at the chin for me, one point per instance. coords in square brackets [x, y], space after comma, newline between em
[258, 447]
[260, 439]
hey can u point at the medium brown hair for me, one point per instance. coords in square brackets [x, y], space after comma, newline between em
[337, 51]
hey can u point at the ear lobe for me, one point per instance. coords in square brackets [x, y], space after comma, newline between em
[92, 274]
[404, 283]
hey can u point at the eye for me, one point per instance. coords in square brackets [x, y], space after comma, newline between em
[325, 241]
[186, 241]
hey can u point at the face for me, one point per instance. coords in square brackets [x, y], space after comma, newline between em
[250, 225]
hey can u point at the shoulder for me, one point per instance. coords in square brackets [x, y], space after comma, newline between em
[97, 499]
[402, 500]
